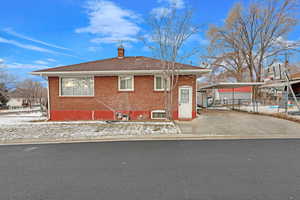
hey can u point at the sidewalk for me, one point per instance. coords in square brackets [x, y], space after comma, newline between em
[178, 137]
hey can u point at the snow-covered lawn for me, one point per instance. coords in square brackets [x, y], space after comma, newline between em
[21, 118]
[33, 126]
[20, 110]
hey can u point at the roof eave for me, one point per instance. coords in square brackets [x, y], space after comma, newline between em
[123, 72]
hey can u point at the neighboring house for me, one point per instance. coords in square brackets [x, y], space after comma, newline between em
[119, 88]
[280, 84]
[15, 102]
[274, 72]
[18, 100]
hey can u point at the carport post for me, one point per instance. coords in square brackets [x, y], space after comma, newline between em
[252, 99]
[232, 98]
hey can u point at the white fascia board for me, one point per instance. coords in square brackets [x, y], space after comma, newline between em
[105, 73]
[227, 85]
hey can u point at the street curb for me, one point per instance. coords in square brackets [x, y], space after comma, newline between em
[183, 137]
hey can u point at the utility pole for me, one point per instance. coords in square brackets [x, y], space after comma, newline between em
[288, 84]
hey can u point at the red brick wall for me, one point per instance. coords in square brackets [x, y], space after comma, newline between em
[141, 101]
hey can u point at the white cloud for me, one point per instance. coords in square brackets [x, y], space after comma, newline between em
[31, 47]
[165, 9]
[198, 38]
[110, 22]
[280, 41]
[146, 49]
[93, 49]
[173, 3]
[25, 46]
[1, 60]
[41, 62]
[160, 11]
[16, 65]
[12, 32]
[51, 60]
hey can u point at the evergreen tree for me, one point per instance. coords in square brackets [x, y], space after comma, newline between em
[3, 97]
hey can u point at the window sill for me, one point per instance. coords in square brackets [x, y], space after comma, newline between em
[76, 96]
[131, 90]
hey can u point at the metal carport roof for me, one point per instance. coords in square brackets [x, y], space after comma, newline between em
[227, 85]
[279, 84]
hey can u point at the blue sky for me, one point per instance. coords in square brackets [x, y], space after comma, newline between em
[36, 34]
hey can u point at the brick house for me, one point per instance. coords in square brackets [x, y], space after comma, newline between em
[130, 87]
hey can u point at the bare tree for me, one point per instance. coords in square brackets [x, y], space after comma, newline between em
[253, 37]
[168, 34]
[5, 77]
[227, 66]
[6, 80]
[32, 92]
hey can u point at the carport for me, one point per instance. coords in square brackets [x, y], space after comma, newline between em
[292, 87]
[233, 86]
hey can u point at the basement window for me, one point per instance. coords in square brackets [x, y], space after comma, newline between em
[158, 114]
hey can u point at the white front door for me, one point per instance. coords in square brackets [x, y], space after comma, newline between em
[185, 102]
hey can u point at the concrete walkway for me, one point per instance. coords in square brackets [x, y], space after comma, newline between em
[229, 123]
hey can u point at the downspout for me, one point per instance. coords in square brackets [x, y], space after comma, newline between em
[48, 96]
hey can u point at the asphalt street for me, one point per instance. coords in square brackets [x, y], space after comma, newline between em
[183, 170]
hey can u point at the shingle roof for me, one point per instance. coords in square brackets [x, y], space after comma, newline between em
[118, 64]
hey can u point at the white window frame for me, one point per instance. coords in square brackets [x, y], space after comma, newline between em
[163, 89]
[60, 86]
[161, 111]
[119, 83]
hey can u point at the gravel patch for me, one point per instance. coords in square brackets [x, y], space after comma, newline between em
[82, 131]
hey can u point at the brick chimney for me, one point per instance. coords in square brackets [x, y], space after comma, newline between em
[121, 52]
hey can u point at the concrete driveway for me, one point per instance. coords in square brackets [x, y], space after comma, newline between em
[229, 123]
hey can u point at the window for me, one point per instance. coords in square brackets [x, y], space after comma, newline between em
[158, 114]
[184, 95]
[160, 83]
[126, 83]
[77, 86]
